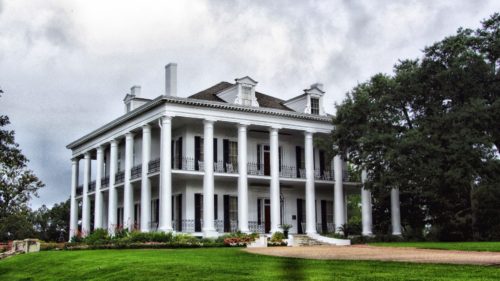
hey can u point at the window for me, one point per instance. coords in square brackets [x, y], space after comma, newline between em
[315, 106]
[118, 161]
[246, 95]
[329, 211]
[233, 208]
[233, 152]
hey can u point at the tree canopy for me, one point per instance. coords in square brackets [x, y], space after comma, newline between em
[431, 130]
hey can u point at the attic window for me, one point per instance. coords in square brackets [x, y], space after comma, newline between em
[246, 96]
[315, 106]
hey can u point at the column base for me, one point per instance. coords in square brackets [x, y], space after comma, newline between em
[397, 234]
[247, 231]
[311, 232]
[165, 229]
[369, 234]
[210, 233]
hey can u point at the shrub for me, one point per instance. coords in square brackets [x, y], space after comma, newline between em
[99, 236]
[184, 238]
[47, 246]
[278, 237]
[143, 237]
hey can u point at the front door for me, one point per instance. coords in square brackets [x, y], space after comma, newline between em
[267, 216]
[267, 161]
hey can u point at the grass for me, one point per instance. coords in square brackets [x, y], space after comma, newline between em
[461, 246]
[219, 264]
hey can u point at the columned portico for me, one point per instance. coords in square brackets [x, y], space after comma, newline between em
[128, 192]
[339, 206]
[85, 199]
[145, 181]
[310, 192]
[73, 221]
[395, 213]
[242, 179]
[98, 193]
[366, 207]
[208, 180]
[165, 193]
[112, 197]
[275, 181]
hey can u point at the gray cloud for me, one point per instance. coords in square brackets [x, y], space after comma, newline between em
[65, 66]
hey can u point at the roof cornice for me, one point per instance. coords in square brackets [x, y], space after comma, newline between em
[195, 102]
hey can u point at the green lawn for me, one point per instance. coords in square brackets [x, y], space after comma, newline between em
[461, 246]
[219, 264]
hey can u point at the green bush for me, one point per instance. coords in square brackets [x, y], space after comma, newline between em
[143, 237]
[98, 236]
[277, 237]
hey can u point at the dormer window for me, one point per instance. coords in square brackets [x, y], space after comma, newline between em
[314, 106]
[246, 95]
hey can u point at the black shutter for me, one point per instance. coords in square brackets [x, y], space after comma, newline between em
[197, 212]
[172, 155]
[259, 147]
[321, 162]
[157, 210]
[259, 211]
[299, 216]
[215, 206]
[179, 152]
[225, 157]
[172, 205]
[197, 146]
[324, 225]
[298, 160]
[279, 157]
[179, 212]
[227, 223]
[215, 149]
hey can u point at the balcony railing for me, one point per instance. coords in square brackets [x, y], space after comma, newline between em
[92, 186]
[119, 177]
[154, 166]
[135, 172]
[79, 190]
[255, 227]
[105, 182]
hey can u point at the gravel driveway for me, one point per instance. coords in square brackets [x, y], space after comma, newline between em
[364, 252]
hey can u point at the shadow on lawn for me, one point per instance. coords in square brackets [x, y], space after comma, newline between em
[292, 269]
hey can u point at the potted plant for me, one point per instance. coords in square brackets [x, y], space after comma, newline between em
[285, 228]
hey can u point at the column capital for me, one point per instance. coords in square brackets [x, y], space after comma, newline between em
[209, 121]
[274, 129]
[113, 142]
[242, 125]
[165, 118]
[146, 127]
[309, 132]
[129, 135]
[86, 155]
[99, 149]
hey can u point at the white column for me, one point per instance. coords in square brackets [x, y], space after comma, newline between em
[128, 191]
[339, 208]
[208, 180]
[310, 192]
[395, 214]
[85, 200]
[112, 196]
[366, 207]
[73, 218]
[145, 182]
[275, 180]
[165, 196]
[242, 180]
[98, 193]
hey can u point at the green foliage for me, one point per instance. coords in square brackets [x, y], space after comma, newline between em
[52, 224]
[278, 236]
[136, 236]
[431, 130]
[98, 236]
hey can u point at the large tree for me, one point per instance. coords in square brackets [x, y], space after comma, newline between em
[431, 130]
[17, 185]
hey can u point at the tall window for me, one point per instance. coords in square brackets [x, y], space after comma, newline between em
[315, 106]
[233, 208]
[118, 161]
[233, 152]
[246, 95]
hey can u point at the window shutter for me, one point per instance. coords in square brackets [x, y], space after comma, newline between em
[279, 157]
[324, 226]
[259, 151]
[197, 212]
[227, 223]
[172, 155]
[298, 160]
[215, 149]
[179, 152]
[225, 157]
[197, 145]
[215, 207]
[259, 211]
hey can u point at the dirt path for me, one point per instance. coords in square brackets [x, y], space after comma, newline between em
[364, 252]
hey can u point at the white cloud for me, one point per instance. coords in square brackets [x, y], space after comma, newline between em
[66, 65]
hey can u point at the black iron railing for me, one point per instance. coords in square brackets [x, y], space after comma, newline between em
[79, 190]
[119, 177]
[154, 166]
[255, 227]
[136, 171]
[256, 169]
[105, 182]
[92, 186]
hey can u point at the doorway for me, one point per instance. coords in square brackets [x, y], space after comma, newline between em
[267, 215]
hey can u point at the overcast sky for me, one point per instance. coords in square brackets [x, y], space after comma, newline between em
[65, 66]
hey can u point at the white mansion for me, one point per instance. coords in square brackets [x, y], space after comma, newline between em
[225, 159]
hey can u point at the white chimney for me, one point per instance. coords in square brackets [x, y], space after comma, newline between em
[135, 91]
[318, 85]
[171, 79]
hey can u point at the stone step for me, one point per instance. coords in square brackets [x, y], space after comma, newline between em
[304, 240]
